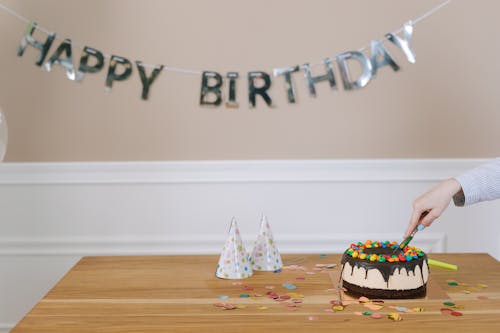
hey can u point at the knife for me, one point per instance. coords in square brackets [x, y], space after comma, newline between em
[408, 239]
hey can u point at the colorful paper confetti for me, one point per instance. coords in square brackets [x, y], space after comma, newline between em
[395, 316]
[289, 286]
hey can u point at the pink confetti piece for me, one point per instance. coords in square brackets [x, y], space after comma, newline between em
[236, 283]
[313, 318]
[225, 306]
[446, 310]
[270, 287]
[376, 316]
[363, 299]
[300, 278]
[482, 297]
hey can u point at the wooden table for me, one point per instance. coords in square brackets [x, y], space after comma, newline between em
[178, 293]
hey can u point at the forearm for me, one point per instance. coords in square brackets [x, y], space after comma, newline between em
[479, 184]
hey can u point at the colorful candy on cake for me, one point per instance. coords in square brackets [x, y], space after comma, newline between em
[374, 270]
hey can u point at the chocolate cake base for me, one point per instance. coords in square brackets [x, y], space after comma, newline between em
[358, 291]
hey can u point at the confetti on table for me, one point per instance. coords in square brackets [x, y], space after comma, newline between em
[376, 316]
[247, 288]
[395, 316]
[481, 285]
[456, 313]
[223, 297]
[237, 283]
[300, 278]
[363, 299]
[289, 286]
[291, 305]
[262, 307]
[402, 308]
[449, 303]
[366, 313]
[323, 255]
[244, 295]
[358, 313]
[338, 308]
[313, 318]
[418, 309]
[226, 306]
[453, 283]
[482, 298]
[446, 310]
[270, 287]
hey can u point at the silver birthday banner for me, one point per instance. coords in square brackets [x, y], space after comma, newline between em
[212, 83]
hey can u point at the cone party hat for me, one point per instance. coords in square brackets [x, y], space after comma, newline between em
[265, 254]
[234, 262]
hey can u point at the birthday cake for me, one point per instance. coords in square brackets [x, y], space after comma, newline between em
[374, 270]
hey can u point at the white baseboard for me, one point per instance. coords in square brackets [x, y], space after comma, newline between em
[188, 244]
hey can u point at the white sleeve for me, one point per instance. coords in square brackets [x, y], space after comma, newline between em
[479, 184]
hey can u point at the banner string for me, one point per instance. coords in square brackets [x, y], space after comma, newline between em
[196, 72]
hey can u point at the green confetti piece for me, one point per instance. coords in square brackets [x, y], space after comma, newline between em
[366, 313]
[449, 303]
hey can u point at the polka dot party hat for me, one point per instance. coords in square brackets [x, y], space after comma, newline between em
[265, 254]
[234, 262]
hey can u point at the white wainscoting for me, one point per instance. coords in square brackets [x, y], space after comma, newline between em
[51, 214]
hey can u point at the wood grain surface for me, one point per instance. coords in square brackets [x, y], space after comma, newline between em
[178, 293]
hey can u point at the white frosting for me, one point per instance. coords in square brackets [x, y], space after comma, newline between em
[399, 280]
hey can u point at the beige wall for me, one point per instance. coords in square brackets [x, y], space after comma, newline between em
[445, 105]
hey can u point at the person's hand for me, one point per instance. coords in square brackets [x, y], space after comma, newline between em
[433, 202]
